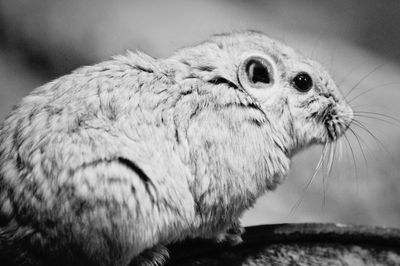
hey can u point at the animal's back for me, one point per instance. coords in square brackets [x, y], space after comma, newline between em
[76, 156]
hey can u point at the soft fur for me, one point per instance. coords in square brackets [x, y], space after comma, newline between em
[137, 152]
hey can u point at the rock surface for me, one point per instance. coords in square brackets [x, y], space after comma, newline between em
[297, 244]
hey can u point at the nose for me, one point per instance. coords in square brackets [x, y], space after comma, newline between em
[330, 97]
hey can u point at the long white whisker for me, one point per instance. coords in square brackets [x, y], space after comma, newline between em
[317, 168]
[360, 146]
[331, 158]
[362, 126]
[371, 89]
[354, 159]
[340, 150]
[370, 114]
[363, 78]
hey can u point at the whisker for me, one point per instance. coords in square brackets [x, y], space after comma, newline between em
[360, 105]
[325, 177]
[347, 154]
[366, 144]
[372, 89]
[378, 119]
[340, 83]
[362, 126]
[306, 187]
[340, 150]
[364, 78]
[352, 154]
[378, 114]
[354, 160]
[368, 148]
[361, 139]
[331, 158]
[360, 146]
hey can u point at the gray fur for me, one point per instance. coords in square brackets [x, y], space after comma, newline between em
[136, 152]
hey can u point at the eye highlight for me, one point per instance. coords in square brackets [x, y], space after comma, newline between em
[302, 82]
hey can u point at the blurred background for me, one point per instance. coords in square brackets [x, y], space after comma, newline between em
[357, 40]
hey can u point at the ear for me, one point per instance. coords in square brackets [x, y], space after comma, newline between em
[256, 72]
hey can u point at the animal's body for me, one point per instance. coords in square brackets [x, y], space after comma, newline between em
[119, 157]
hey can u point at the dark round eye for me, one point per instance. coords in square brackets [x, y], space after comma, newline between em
[257, 72]
[302, 82]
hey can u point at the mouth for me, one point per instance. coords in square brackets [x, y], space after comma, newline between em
[332, 129]
[335, 124]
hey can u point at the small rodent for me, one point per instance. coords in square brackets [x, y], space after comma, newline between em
[136, 152]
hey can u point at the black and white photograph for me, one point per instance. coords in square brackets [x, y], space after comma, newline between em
[208, 132]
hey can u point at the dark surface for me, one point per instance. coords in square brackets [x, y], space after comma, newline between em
[297, 244]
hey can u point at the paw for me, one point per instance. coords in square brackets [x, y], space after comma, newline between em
[230, 239]
[155, 256]
[236, 228]
[232, 236]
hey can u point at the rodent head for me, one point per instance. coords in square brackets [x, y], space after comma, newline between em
[296, 94]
